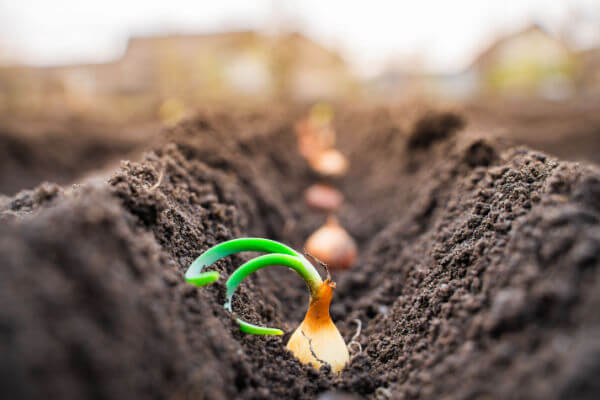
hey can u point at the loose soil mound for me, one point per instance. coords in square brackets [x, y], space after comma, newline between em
[477, 276]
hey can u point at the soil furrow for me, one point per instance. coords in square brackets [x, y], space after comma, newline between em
[477, 275]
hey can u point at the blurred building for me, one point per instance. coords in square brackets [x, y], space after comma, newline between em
[528, 63]
[186, 70]
[588, 82]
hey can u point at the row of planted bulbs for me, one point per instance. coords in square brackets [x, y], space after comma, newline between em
[316, 136]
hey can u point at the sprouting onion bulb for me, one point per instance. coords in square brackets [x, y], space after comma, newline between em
[316, 341]
[316, 133]
[313, 138]
[332, 245]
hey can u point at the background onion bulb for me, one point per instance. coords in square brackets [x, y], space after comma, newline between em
[323, 197]
[330, 163]
[332, 245]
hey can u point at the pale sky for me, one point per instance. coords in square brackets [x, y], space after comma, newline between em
[446, 35]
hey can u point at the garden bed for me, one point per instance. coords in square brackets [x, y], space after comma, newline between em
[477, 273]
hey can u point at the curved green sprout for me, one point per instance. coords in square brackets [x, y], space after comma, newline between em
[280, 254]
[194, 274]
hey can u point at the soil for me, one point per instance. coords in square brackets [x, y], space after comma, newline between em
[63, 151]
[477, 274]
[569, 129]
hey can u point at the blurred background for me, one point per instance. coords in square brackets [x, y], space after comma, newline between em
[100, 78]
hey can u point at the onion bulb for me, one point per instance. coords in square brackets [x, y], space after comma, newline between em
[323, 197]
[332, 245]
[317, 340]
[330, 163]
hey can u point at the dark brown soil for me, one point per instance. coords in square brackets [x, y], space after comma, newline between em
[62, 151]
[433, 128]
[568, 129]
[477, 275]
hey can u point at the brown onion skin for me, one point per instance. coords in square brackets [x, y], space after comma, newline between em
[332, 245]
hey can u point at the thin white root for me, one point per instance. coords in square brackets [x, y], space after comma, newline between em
[383, 393]
[159, 180]
[354, 342]
[357, 345]
[358, 328]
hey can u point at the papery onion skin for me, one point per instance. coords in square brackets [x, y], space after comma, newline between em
[332, 245]
[318, 336]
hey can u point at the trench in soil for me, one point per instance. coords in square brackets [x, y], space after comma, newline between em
[460, 289]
